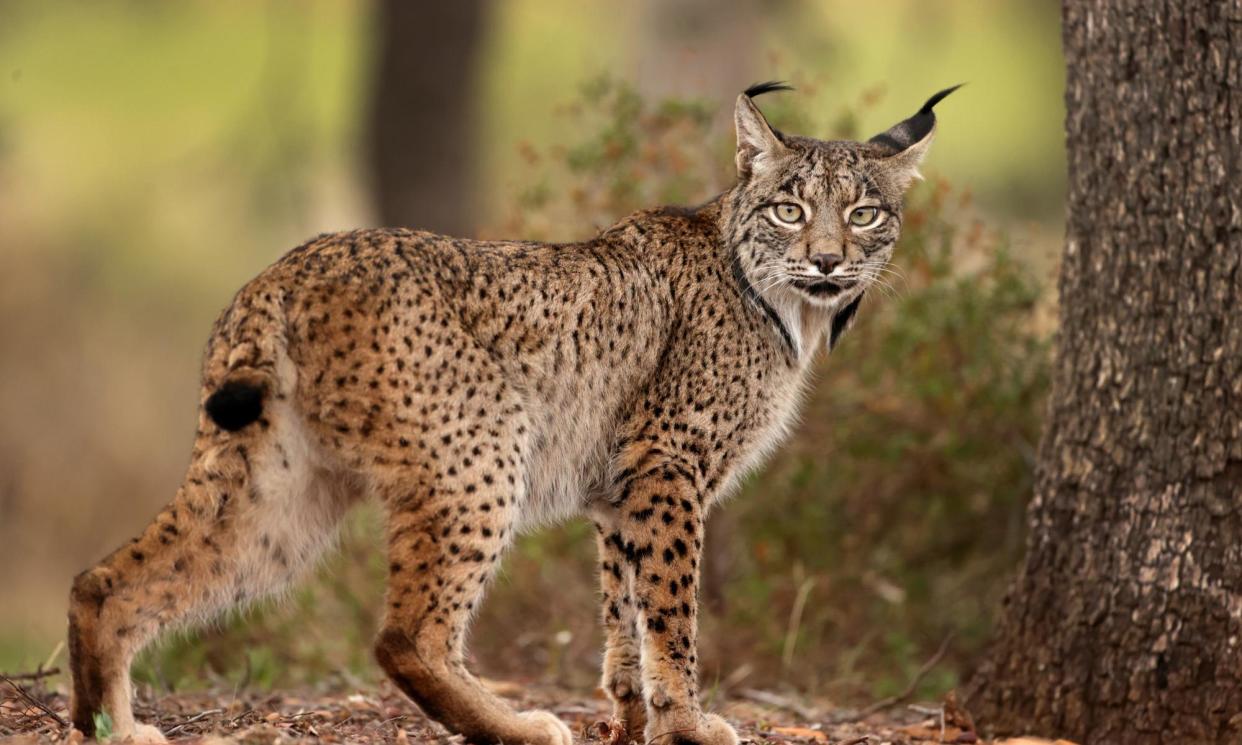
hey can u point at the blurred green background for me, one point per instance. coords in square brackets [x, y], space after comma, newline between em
[154, 156]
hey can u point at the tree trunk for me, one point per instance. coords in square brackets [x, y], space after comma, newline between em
[1125, 623]
[421, 128]
[699, 49]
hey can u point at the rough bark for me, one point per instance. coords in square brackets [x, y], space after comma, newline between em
[421, 124]
[1125, 623]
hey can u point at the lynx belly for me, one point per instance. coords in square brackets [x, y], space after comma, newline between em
[568, 453]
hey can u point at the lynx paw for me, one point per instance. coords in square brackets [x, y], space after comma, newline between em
[552, 731]
[631, 716]
[625, 689]
[711, 730]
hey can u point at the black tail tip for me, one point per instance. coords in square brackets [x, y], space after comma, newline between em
[235, 404]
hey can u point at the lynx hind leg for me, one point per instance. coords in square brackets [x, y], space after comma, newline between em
[622, 663]
[252, 513]
[445, 540]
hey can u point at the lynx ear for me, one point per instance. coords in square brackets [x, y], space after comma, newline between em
[758, 145]
[909, 140]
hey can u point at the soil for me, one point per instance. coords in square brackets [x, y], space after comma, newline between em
[35, 712]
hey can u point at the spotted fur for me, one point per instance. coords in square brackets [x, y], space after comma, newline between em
[480, 389]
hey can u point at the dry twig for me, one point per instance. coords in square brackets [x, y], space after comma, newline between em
[196, 718]
[780, 702]
[21, 692]
[36, 675]
[891, 701]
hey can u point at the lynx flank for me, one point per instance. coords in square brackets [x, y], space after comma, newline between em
[481, 389]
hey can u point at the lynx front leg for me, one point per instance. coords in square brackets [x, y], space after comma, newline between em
[622, 674]
[660, 538]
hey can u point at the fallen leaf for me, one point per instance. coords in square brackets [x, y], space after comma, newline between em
[803, 732]
[932, 731]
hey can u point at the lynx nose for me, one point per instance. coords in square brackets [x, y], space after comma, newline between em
[825, 263]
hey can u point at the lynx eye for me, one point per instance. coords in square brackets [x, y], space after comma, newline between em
[787, 213]
[864, 217]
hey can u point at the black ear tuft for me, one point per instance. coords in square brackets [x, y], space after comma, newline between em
[912, 130]
[931, 102]
[758, 89]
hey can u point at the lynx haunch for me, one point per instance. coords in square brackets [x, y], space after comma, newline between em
[480, 389]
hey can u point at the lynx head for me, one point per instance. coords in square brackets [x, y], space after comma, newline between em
[815, 221]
